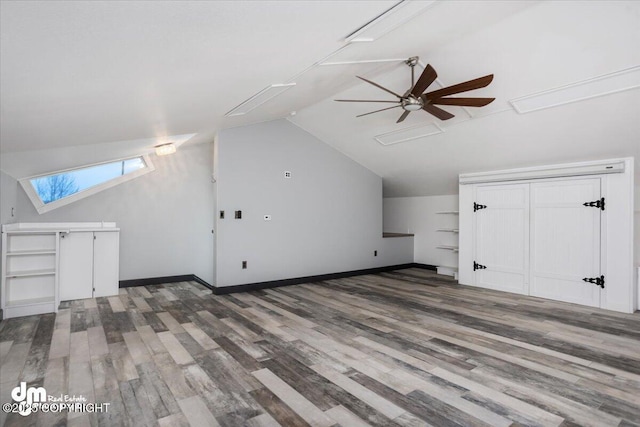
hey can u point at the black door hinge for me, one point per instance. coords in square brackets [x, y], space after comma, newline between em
[597, 204]
[598, 281]
[477, 207]
[477, 266]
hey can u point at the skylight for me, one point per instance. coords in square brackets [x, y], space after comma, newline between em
[60, 188]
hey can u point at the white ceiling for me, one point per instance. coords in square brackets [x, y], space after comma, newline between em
[123, 75]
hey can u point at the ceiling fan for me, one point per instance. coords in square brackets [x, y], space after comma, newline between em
[415, 98]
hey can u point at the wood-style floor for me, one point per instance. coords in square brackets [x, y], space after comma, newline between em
[406, 348]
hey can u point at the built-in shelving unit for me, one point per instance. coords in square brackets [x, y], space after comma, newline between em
[29, 271]
[44, 263]
[449, 243]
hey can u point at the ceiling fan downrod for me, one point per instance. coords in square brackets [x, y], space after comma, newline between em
[412, 62]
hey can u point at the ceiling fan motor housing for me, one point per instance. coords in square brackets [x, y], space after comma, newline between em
[411, 103]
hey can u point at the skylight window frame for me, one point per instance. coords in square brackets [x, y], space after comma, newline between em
[42, 207]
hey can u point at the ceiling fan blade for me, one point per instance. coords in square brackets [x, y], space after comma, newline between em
[427, 77]
[437, 111]
[378, 86]
[403, 116]
[363, 100]
[377, 111]
[460, 87]
[464, 102]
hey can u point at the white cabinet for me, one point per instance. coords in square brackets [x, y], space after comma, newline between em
[88, 264]
[567, 239]
[43, 264]
[539, 239]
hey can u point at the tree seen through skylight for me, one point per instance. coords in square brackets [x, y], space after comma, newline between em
[55, 187]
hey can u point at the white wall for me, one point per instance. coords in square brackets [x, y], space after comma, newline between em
[327, 218]
[8, 194]
[418, 215]
[165, 217]
[636, 239]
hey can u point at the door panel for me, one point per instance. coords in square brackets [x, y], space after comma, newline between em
[76, 265]
[105, 262]
[565, 240]
[502, 237]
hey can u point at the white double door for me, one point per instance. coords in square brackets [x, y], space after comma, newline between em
[539, 239]
[88, 264]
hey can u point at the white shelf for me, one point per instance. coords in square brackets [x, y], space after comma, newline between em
[27, 273]
[33, 252]
[30, 301]
[448, 242]
[448, 271]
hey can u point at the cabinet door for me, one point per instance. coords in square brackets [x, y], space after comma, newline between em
[565, 240]
[76, 265]
[502, 237]
[106, 263]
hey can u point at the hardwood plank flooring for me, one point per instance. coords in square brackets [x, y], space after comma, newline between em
[402, 348]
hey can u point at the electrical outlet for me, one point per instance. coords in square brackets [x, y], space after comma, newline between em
[238, 214]
[287, 174]
[221, 214]
[375, 253]
[267, 217]
[244, 265]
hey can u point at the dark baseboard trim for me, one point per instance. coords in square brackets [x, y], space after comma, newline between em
[165, 279]
[310, 279]
[271, 284]
[425, 266]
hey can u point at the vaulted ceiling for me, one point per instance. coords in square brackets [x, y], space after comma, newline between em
[115, 77]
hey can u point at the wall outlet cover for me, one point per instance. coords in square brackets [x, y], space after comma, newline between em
[287, 174]
[267, 217]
